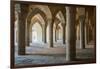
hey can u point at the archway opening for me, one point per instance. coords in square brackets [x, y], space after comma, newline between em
[36, 33]
[61, 27]
[59, 33]
[36, 30]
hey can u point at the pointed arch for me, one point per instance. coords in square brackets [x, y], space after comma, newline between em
[60, 16]
[34, 12]
[62, 23]
[59, 32]
[36, 19]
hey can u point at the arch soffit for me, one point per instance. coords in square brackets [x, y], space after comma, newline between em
[45, 9]
[37, 18]
[60, 20]
[35, 12]
[60, 16]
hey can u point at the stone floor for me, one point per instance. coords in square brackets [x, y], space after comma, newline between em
[39, 59]
[38, 54]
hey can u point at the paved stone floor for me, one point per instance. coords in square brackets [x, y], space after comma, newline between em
[37, 54]
[39, 59]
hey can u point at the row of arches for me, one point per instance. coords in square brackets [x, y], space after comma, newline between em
[38, 24]
[47, 24]
[50, 24]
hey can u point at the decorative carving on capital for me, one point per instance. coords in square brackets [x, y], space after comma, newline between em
[17, 8]
[82, 18]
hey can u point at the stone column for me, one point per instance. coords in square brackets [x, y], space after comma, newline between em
[86, 32]
[44, 33]
[13, 9]
[30, 36]
[89, 31]
[94, 23]
[64, 32]
[82, 38]
[55, 35]
[51, 34]
[27, 30]
[71, 35]
[85, 35]
[94, 31]
[21, 29]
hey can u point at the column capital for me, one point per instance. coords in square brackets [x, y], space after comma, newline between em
[17, 8]
[82, 18]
